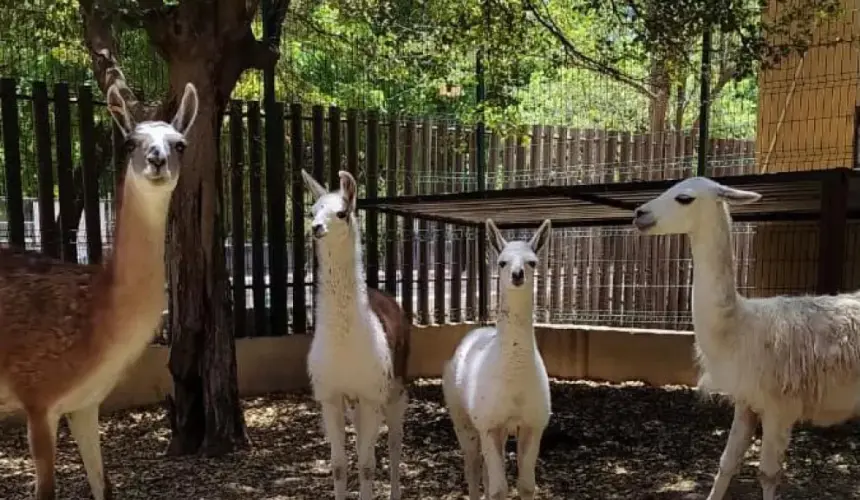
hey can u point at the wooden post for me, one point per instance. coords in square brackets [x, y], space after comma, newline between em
[297, 147]
[49, 233]
[276, 191]
[255, 187]
[831, 235]
[65, 176]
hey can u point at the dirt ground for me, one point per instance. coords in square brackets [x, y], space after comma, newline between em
[604, 442]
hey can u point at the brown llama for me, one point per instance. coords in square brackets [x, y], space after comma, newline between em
[68, 331]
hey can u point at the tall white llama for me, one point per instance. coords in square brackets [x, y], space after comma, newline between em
[496, 384]
[360, 347]
[781, 359]
[67, 331]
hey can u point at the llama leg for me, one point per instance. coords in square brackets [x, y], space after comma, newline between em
[776, 434]
[740, 435]
[493, 447]
[84, 426]
[394, 415]
[335, 431]
[470, 443]
[367, 430]
[528, 448]
[42, 437]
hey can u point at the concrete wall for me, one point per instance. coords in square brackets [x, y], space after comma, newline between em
[278, 364]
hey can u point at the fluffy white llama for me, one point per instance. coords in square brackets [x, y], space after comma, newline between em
[360, 347]
[496, 384]
[781, 359]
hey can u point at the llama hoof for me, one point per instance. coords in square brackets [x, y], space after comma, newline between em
[769, 484]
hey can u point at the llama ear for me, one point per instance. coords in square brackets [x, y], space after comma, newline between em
[734, 196]
[316, 188]
[187, 112]
[541, 237]
[119, 111]
[348, 189]
[496, 239]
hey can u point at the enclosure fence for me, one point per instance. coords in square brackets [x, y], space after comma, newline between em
[60, 156]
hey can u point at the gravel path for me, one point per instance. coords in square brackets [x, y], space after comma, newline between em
[604, 442]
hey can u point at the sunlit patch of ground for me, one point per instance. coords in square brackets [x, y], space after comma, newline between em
[604, 442]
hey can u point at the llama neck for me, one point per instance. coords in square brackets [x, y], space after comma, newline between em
[342, 287]
[715, 295]
[516, 317]
[137, 263]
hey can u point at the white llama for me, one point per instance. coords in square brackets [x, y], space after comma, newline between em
[496, 385]
[360, 347]
[781, 359]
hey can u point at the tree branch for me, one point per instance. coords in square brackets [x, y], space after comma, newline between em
[101, 44]
[582, 60]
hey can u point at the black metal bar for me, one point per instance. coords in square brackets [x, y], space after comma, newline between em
[600, 200]
[258, 238]
[421, 216]
[275, 189]
[832, 228]
[237, 212]
[704, 101]
[300, 324]
[65, 177]
[89, 174]
[12, 157]
[333, 147]
[408, 224]
[390, 221]
[50, 234]
[372, 183]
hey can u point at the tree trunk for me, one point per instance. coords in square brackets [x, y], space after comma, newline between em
[205, 411]
[659, 106]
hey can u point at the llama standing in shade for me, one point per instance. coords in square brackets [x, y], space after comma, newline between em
[67, 331]
[781, 360]
[496, 384]
[360, 347]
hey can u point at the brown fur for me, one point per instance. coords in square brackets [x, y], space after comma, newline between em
[397, 329]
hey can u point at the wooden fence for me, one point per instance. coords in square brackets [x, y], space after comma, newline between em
[606, 276]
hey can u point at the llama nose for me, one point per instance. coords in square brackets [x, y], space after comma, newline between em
[640, 212]
[517, 277]
[317, 229]
[156, 160]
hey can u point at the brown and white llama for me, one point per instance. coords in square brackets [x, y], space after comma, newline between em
[360, 347]
[68, 331]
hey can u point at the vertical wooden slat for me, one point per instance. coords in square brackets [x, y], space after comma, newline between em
[297, 149]
[535, 156]
[12, 159]
[255, 189]
[515, 178]
[408, 223]
[318, 155]
[612, 263]
[424, 229]
[49, 233]
[352, 142]
[89, 174]
[494, 169]
[472, 244]
[440, 281]
[237, 210]
[333, 147]
[457, 243]
[390, 220]
[629, 249]
[276, 191]
[372, 186]
[65, 175]
[574, 154]
[519, 168]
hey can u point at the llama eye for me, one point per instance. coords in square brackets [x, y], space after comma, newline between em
[179, 147]
[341, 214]
[502, 264]
[532, 263]
[129, 146]
[684, 199]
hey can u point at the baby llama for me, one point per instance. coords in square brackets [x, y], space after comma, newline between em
[360, 347]
[496, 384]
[780, 360]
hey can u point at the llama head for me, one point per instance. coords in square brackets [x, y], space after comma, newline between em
[333, 213]
[518, 259]
[688, 205]
[155, 148]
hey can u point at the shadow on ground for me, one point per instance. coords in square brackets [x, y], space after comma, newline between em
[604, 442]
